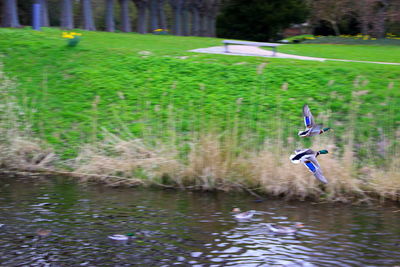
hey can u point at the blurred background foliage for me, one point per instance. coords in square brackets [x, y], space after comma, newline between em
[258, 20]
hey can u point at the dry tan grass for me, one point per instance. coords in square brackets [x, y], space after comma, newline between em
[212, 165]
[208, 164]
[18, 149]
[28, 154]
[128, 159]
[385, 183]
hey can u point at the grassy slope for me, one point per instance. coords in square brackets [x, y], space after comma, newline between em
[173, 86]
[340, 51]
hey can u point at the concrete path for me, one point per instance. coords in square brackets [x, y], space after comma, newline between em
[244, 50]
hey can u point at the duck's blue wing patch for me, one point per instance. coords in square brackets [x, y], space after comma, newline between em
[307, 121]
[310, 166]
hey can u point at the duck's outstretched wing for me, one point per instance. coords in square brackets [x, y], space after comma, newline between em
[318, 174]
[299, 151]
[312, 164]
[316, 130]
[299, 154]
[308, 117]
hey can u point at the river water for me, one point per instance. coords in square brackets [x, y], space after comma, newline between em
[171, 228]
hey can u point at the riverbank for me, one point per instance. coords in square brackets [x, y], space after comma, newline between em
[212, 165]
[141, 109]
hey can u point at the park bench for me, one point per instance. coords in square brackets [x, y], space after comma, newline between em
[273, 45]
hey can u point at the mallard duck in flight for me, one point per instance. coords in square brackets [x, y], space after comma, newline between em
[309, 158]
[312, 129]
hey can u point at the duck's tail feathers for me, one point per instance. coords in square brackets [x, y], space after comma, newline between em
[318, 174]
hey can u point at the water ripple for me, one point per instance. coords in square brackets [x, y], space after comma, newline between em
[185, 229]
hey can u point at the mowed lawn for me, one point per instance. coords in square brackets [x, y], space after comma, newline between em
[139, 82]
[384, 53]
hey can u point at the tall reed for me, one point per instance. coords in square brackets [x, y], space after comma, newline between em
[19, 149]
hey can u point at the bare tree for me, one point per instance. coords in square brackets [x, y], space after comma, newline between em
[125, 19]
[393, 14]
[373, 15]
[364, 15]
[67, 19]
[10, 14]
[110, 23]
[331, 11]
[87, 16]
[379, 27]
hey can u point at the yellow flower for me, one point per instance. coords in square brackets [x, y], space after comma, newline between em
[70, 35]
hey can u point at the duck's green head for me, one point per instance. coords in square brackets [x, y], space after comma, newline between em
[324, 151]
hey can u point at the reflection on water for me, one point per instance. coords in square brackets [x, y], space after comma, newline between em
[183, 228]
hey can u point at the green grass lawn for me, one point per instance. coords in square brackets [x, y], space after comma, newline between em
[139, 85]
[340, 51]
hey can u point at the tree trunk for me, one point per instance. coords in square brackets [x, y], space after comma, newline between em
[364, 13]
[177, 6]
[202, 17]
[110, 23]
[44, 13]
[185, 20]
[141, 6]
[335, 27]
[209, 29]
[161, 15]
[36, 15]
[364, 25]
[211, 11]
[125, 20]
[10, 14]
[154, 24]
[67, 19]
[379, 27]
[202, 25]
[87, 16]
[195, 17]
